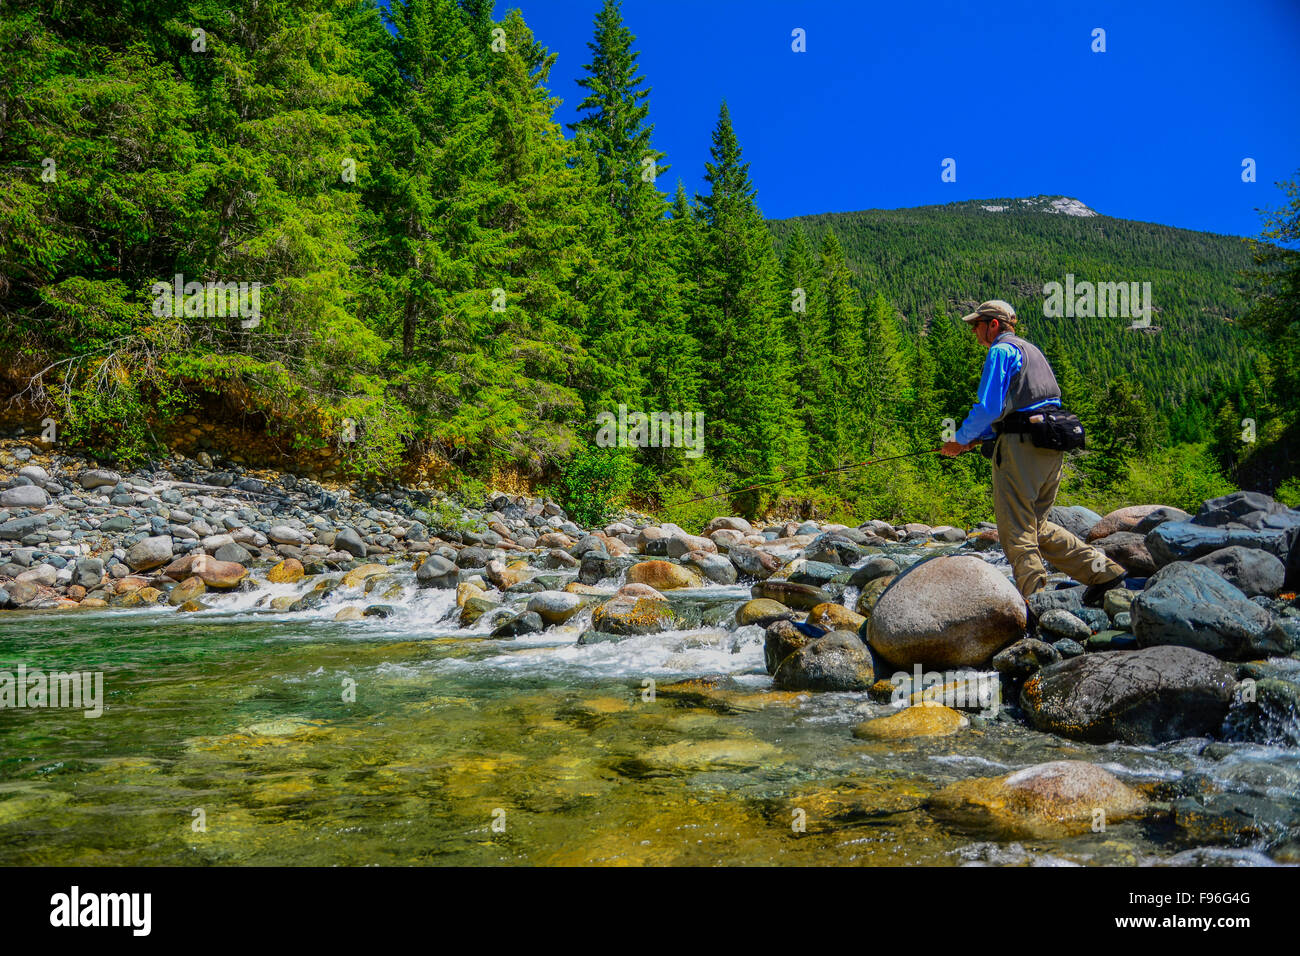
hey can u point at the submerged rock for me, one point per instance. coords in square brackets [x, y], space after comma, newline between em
[1266, 711]
[922, 720]
[697, 755]
[1047, 800]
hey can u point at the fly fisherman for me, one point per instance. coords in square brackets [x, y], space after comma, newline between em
[1018, 414]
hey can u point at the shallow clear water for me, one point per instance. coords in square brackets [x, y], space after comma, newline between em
[464, 750]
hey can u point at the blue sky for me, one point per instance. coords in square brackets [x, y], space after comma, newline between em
[1155, 128]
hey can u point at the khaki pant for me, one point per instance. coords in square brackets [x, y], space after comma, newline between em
[1025, 480]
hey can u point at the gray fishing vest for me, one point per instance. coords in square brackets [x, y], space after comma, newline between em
[1033, 383]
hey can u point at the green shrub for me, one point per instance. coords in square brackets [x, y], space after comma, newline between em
[595, 485]
[1289, 493]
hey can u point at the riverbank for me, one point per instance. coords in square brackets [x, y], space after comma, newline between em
[657, 664]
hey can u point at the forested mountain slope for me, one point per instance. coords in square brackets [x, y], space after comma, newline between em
[956, 255]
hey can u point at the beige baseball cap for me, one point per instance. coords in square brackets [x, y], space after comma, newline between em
[993, 309]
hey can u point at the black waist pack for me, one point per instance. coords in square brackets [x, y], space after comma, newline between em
[1056, 429]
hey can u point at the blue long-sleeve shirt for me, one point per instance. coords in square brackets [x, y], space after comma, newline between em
[1004, 360]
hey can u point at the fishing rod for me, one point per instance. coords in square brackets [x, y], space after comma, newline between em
[815, 474]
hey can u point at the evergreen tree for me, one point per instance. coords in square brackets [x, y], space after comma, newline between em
[1125, 431]
[846, 397]
[613, 116]
[748, 390]
[804, 329]
[885, 383]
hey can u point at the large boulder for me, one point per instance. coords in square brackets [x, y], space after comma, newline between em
[1043, 801]
[816, 573]
[1129, 551]
[876, 566]
[751, 562]
[556, 607]
[1250, 571]
[1192, 606]
[1025, 657]
[186, 591]
[1139, 697]
[15, 529]
[233, 552]
[1243, 509]
[1122, 519]
[631, 614]
[838, 661]
[926, 719]
[24, 496]
[835, 617]
[1245, 518]
[529, 622]
[284, 534]
[710, 565]
[98, 478]
[1075, 519]
[349, 540]
[781, 639]
[221, 575]
[436, 572]
[834, 548]
[804, 597]
[681, 544]
[728, 523]
[286, 572]
[1186, 541]
[149, 553]
[88, 572]
[871, 592]
[762, 611]
[947, 612]
[663, 575]
[1159, 517]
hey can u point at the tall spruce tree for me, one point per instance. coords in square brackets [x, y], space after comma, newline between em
[803, 300]
[614, 113]
[884, 388]
[638, 322]
[847, 399]
[748, 386]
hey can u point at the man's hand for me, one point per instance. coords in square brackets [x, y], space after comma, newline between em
[952, 449]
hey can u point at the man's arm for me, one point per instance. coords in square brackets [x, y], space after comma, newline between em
[1003, 361]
